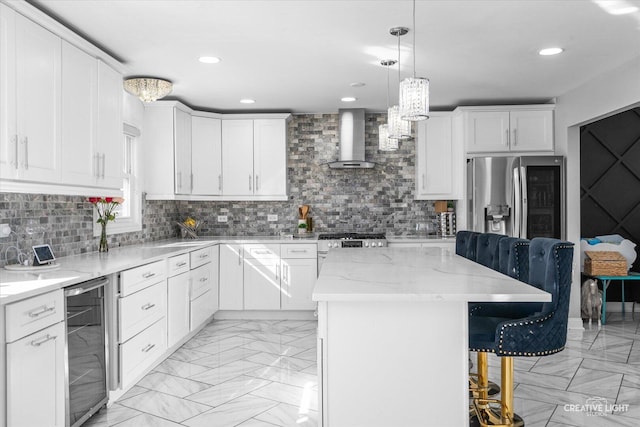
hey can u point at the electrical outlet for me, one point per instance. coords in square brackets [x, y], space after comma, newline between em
[272, 217]
[222, 218]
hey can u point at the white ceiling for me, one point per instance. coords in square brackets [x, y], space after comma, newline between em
[302, 55]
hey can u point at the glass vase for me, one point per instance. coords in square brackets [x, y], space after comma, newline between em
[104, 244]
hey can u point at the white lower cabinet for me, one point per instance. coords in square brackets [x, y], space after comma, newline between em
[178, 307]
[142, 319]
[231, 277]
[261, 284]
[137, 354]
[299, 275]
[35, 379]
[35, 352]
[204, 285]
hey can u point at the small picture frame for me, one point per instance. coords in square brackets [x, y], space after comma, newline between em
[43, 255]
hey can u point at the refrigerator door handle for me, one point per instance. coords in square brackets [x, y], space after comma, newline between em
[525, 211]
[517, 203]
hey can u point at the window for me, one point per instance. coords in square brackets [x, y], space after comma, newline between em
[128, 214]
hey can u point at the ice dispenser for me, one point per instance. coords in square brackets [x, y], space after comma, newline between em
[496, 219]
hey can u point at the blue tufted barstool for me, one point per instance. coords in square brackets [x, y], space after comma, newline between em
[466, 244]
[487, 252]
[539, 334]
[513, 260]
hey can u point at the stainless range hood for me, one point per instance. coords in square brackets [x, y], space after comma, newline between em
[351, 127]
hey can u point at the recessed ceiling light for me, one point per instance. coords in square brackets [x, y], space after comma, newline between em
[617, 7]
[248, 101]
[356, 84]
[348, 99]
[550, 51]
[209, 59]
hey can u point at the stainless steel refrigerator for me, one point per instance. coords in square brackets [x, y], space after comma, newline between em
[518, 196]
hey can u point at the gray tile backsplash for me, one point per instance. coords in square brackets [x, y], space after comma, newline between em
[366, 200]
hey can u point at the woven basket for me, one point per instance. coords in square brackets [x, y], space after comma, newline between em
[605, 263]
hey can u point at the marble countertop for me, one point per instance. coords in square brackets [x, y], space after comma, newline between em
[410, 274]
[418, 238]
[17, 285]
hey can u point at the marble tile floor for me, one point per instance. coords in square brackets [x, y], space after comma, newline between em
[232, 373]
[263, 374]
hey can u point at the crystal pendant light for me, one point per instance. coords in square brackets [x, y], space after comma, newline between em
[384, 142]
[398, 129]
[148, 89]
[414, 91]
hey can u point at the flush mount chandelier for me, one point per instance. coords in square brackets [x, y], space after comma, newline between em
[148, 89]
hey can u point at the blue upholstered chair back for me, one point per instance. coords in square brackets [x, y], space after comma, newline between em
[513, 258]
[487, 249]
[544, 331]
[550, 265]
[466, 242]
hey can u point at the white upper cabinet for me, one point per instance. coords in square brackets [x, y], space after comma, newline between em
[79, 104]
[254, 158]
[31, 67]
[182, 147]
[206, 155]
[60, 109]
[237, 155]
[508, 129]
[167, 148]
[109, 140]
[270, 157]
[440, 159]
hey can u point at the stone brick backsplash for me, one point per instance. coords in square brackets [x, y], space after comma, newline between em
[364, 200]
[66, 223]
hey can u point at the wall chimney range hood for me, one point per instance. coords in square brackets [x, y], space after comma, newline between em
[351, 127]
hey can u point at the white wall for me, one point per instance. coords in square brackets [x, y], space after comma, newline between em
[608, 94]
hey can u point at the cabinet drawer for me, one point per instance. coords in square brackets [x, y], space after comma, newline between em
[299, 250]
[178, 264]
[139, 310]
[141, 351]
[262, 251]
[141, 277]
[30, 315]
[201, 309]
[201, 281]
[201, 257]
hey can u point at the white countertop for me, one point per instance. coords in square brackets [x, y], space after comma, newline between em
[17, 285]
[424, 274]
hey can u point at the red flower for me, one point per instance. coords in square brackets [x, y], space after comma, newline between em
[108, 199]
[93, 200]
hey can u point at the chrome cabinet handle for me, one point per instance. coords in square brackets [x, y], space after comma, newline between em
[515, 137]
[219, 182]
[181, 264]
[39, 342]
[240, 256]
[250, 182]
[204, 279]
[202, 256]
[96, 165]
[304, 251]
[191, 181]
[179, 181]
[257, 183]
[44, 310]
[147, 306]
[26, 152]
[424, 182]
[104, 159]
[277, 271]
[148, 348]
[148, 275]
[506, 142]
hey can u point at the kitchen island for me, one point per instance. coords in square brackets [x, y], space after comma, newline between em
[393, 334]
